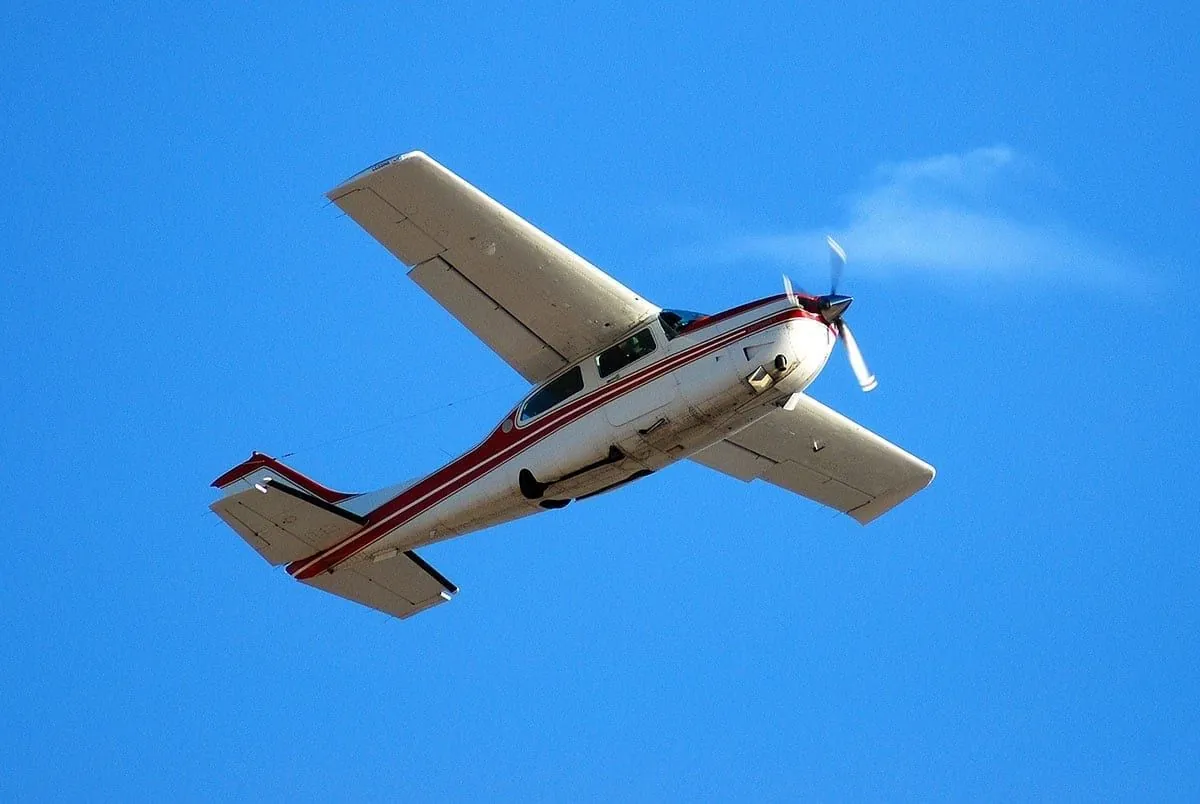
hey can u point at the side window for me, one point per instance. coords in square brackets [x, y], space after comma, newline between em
[618, 357]
[557, 390]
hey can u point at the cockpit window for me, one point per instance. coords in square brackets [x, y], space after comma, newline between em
[618, 357]
[559, 389]
[676, 322]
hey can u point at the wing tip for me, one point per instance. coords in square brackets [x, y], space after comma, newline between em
[870, 511]
[407, 156]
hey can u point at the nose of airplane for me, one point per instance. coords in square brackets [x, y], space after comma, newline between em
[833, 306]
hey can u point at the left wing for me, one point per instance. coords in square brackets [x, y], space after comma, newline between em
[818, 453]
[536, 303]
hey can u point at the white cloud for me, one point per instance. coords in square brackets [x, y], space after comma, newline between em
[955, 214]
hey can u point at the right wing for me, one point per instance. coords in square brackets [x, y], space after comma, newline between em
[536, 303]
[818, 453]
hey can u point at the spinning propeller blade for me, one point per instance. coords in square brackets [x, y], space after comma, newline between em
[833, 308]
[791, 294]
[866, 380]
[837, 261]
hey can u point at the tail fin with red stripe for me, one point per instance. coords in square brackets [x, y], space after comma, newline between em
[281, 513]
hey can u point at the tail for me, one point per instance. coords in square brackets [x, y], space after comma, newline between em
[281, 513]
[288, 517]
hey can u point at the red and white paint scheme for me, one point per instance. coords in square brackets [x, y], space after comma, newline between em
[623, 388]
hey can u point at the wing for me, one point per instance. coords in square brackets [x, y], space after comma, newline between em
[536, 303]
[818, 453]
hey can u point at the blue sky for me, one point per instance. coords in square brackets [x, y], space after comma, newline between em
[1016, 187]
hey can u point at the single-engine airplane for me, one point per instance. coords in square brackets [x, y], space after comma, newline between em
[623, 388]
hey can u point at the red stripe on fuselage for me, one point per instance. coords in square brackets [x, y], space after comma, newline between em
[500, 447]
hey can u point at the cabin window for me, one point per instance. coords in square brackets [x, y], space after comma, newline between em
[618, 357]
[560, 389]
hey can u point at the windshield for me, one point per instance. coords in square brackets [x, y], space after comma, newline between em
[677, 322]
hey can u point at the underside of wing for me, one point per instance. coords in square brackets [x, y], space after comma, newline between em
[818, 453]
[401, 586]
[536, 303]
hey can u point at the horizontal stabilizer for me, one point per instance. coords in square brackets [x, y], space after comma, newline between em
[283, 523]
[288, 517]
[402, 585]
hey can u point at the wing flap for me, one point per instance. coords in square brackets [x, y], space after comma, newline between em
[419, 209]
[283, 524]
[825, 490]
[818, 453]
[401, 586]
[739, 462]
[492, 323]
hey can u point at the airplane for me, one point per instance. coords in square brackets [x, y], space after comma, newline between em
[623, 388]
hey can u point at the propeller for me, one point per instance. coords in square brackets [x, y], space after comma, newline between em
[837, 261]
[866, 380]
[833, 309]
[787, 290]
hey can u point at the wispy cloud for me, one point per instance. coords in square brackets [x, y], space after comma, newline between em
[961, 215]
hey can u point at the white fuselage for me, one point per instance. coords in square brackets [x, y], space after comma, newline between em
[689, 392]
